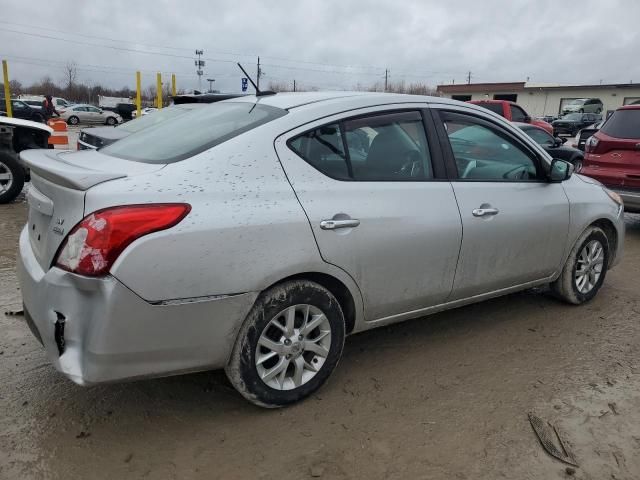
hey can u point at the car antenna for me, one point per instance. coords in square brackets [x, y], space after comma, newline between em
[259, 93]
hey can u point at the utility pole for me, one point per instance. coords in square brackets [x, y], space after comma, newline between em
[259, 74]
[294, 85]
[211, 80]
[386, 78]
[469, 78]
[199, 64]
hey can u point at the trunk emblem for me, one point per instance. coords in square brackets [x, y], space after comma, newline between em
[60, 221]
[616, 155]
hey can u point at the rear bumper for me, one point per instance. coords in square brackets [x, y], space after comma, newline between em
[97, 330]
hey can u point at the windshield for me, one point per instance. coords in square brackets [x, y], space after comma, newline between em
[623, 124]
[192, 133]
[494, 107]
[154, 118]
[573, 116]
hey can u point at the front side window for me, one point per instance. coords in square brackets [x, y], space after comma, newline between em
[383, 147]
[517, 114]
[93, 109]
[540, 136]
[18, 105]
[484, 152]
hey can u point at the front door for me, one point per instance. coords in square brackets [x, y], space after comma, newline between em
[379, 206]
[515, 222]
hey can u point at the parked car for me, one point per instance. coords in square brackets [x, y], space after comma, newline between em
[573, 122]
[583, 105]
[96, 137]
[554, 146]
[83, 113]
[20, 109]
[143, 111]
[612, 155]
[512, 112]
[583, 135]
[17, 135]
[60, 103]
[251, 235]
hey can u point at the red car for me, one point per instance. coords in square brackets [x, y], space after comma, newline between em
[512, 112]
[612, 155]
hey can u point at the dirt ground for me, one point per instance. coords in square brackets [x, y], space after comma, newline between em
[441, 397]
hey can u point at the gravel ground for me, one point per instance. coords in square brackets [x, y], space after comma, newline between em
[441, 397]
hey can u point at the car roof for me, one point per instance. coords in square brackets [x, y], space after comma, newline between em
[491, 101]
[292, 100]
[630, 107]
[527, 125]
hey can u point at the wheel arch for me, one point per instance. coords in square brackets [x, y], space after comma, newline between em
[338, 289]
[612, 235]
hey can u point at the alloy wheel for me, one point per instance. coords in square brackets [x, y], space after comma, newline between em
[589, 266]
[6, 178]
[293, 347]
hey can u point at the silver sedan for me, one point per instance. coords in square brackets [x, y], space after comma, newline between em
[255, 234]
[82, 113]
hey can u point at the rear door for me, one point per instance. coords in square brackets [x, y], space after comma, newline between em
[515, 223]
[375, 192]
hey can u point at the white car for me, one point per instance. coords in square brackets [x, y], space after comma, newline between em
[83, 113]
[144, 111]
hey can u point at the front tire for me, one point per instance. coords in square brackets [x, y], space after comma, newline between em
[585, 269]
[289, 344]
[11, 177]
[73, 120]
[111, 121]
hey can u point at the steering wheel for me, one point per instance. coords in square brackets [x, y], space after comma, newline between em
[523, 174]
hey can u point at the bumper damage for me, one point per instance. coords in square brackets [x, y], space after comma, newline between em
[96, 330]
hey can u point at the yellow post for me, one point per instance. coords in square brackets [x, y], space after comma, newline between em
[138, 96]
[159, 90]
[173, 84]
[7, 91]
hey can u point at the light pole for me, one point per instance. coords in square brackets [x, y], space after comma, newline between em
[211, 80]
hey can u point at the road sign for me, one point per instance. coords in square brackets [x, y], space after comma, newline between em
[245, 84]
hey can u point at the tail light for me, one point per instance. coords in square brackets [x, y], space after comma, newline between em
[591, 144]
[95, 243]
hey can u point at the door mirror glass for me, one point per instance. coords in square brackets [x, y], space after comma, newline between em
[527, 119]
[560, 170]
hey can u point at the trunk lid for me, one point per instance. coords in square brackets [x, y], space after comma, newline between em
[59, 181]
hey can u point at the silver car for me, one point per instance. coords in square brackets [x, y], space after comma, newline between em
[255, 234]
[82, 113]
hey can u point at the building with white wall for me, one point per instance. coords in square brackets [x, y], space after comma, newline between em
[544, 99]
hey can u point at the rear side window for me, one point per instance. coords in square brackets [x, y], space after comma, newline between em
[192, 133]
[623, 124]
[382, 147]
[323, 149]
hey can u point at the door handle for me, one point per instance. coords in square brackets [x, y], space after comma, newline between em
[335, 224]
[481, 212]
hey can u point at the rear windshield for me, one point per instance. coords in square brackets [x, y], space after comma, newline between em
[623, 124]
[154, 118]
[187, 135]
[494, 107]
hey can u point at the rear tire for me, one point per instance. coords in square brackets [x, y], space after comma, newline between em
[574, 287]
[288, 345]
[73, 120]
[577, 164]
[11, 177]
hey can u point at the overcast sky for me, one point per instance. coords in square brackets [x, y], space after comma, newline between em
[328, 44]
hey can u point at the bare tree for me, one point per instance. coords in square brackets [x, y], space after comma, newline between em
[70, 74]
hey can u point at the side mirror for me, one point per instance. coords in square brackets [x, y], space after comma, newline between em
[559, 141]
[527, 119]
[560, 171]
